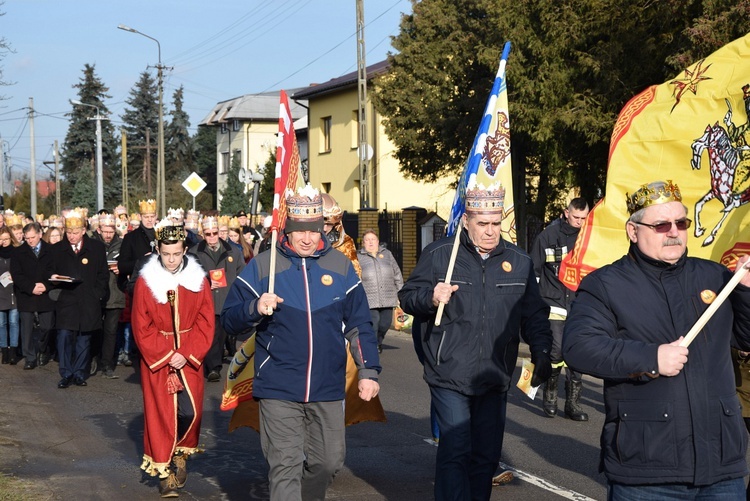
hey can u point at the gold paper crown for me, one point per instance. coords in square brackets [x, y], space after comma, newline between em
[135, 217]
[481, 200]
[147, 206]
[223, 221]
[306, 205]
[167, 231]
[210, 222]
[13, 219]
[39, 218]
[234, 223]
[93, 222]
[56, 221]
[177, 213]
[654, 193]
[120, 209]
[74, 220]
[107, 220]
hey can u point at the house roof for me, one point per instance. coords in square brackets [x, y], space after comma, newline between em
[336, 84]
[262, 107]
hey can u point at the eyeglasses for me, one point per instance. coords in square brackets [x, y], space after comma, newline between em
[682, 225]
[210, 233]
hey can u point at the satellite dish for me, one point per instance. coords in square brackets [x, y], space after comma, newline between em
[243, 175]
[365, 155]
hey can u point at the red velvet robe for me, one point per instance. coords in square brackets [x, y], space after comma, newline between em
[153, 330]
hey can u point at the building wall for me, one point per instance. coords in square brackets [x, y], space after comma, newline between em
[255, 140]
[337, 171]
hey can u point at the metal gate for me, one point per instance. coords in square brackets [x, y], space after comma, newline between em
[390, 227]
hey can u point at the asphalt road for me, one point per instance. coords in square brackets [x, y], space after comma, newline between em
[86, 443]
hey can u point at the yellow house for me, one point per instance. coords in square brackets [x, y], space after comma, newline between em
[334, 162]
[247, 126]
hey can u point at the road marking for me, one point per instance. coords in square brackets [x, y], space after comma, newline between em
[537, 481]
[547, 486]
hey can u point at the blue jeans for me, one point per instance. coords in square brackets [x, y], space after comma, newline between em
[9, 324]
[725, 490]
[471, 440]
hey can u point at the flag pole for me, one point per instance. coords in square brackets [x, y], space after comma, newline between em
[449, 273]
[272, 271]
[703, 320]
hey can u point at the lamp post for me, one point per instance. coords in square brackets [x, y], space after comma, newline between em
[99, 173]
[160, 176]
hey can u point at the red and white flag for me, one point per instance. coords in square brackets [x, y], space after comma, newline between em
[287, 163]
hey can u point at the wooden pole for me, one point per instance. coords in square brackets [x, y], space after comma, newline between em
[272, 271]
[703, 320]
[449, 273]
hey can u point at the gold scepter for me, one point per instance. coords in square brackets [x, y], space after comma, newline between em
[173, 381]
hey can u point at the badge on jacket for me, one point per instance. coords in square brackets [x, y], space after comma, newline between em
[507, 267]
[326, 279]
[85, 261]
[708, 296]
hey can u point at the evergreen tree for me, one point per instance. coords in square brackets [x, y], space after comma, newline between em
[573, 67]
[268, 184]
[233, 197]
[179, 149]
[204, 159]
[142, 114]
[83, 190]
[78, 151]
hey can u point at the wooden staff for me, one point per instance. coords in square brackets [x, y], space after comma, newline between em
[703, 320]
[449, 273]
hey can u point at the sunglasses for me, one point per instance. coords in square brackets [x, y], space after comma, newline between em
[210, 233]
[682, 225]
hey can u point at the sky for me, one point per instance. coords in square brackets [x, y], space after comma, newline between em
[216, 50]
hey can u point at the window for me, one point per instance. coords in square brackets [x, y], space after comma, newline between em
[326, 187]
[224, 167]
[355, 129]
[224, 127]
[325, 138]
[235, 125]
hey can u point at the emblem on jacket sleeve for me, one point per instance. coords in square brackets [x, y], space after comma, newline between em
[708, 296]
[85, 261]
[507, 267]
[326, 279]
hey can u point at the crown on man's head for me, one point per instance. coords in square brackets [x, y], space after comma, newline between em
[107, 220]
[209, 222]
[147, 206]
[304, 210]
[223, 221]
[39, 218]
[481, 200]
[74, 219]
[13, 219]
[167, 231]
[654, 193]
[120, 209]
[234, 223]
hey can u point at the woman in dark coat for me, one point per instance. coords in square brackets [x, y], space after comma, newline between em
[8, 309]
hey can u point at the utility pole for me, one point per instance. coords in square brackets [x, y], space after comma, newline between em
[57, 179]
[124, 150]
[32, 158]
[362, 151]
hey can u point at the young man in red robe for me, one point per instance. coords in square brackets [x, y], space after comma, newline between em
[173, 325]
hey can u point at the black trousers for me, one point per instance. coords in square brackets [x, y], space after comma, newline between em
[35, 332]
[110, 323]
[215, 356]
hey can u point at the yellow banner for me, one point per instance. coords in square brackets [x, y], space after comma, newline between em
[694, 130]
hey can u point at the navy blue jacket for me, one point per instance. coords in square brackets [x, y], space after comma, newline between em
[658, 429]
[300, 350]
[474, 350]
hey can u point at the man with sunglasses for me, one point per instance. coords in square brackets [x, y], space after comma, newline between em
[223, 263]
[673, 425]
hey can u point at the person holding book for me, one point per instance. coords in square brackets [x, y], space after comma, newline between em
[223, 262]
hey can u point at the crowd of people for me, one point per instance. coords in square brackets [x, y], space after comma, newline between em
[96, 292]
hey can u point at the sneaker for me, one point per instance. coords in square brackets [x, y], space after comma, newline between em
[503, 478]
[109, 374]
[127, 362]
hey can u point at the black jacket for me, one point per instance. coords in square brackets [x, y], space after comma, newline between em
[552, 244]
[79, 307]
[475, 348]
[135, 245]
[27, 270]
[230, 260]
[658, 429]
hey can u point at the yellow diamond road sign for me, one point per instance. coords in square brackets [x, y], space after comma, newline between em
[194, 184]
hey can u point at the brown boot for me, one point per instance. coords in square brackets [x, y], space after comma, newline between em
[180, 462]
[168, 487]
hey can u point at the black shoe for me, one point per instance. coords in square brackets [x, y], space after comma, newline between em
[213, 376]
[79, 381]
[380, 348]
[64, 383]
[29, 365]
[109, 374]
[94, 367]
[42, 359]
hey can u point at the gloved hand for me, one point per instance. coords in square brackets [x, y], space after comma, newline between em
[542, 368]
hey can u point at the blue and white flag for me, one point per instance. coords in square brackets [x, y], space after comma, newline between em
[489, 161]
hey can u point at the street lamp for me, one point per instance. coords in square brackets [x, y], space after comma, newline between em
[99, 174]
[160, 176]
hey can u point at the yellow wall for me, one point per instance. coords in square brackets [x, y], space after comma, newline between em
[340, 167]
[255, 140]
